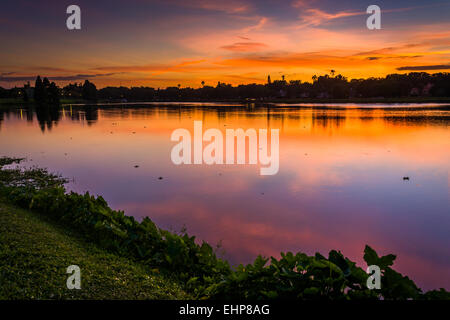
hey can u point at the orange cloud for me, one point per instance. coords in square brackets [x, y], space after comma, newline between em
[245, 46]
[155, 69]
[261, 23]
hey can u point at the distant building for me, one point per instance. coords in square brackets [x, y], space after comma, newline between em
[323, 95]
[268, 80]
[282, 93]
[414, 92]
[427, 88]
[29, 91]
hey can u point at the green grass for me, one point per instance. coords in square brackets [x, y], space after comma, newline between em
[35, 253]
[6, 102]
[64, 101]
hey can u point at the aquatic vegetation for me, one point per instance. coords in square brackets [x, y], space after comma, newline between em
[34, 177]
[203, 274]
[314, 277]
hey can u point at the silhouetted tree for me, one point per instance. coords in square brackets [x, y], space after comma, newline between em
[89, 91]
[53, 94]
[39, 91]
[26, 89]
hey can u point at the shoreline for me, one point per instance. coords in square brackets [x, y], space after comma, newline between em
[312, 101]
[197, 269]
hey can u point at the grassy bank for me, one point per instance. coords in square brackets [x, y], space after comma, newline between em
[65, 101]
[288, 101]
[35, 252]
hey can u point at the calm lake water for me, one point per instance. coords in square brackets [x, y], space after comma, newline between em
[340, 184]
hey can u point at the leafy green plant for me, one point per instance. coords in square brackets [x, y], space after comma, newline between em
[301, 276]
[296, 276]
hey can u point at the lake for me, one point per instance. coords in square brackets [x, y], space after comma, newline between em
[341, 182]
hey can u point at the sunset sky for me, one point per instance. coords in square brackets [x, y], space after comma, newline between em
[162, 43]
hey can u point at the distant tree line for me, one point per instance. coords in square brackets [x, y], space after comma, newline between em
[329, 86]
[86, 91]
[322, 87]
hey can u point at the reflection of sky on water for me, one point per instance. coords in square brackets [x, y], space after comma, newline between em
[339, 186]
